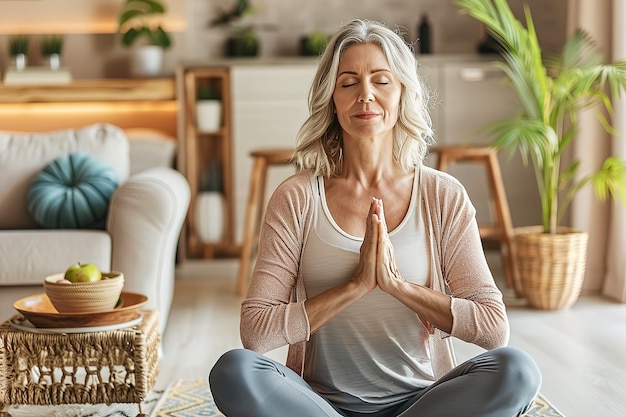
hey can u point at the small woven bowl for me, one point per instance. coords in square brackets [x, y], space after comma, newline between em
[85, 297]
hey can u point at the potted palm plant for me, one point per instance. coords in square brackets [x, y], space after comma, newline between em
[552, 89]
[138, 23]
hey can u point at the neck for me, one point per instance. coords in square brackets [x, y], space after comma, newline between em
[369, 161]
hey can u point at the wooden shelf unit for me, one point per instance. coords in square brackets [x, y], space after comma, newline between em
[132, 103]
[199, 150]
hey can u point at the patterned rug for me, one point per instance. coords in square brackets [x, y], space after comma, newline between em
[187, 399]
[193, 399]
[184, 399]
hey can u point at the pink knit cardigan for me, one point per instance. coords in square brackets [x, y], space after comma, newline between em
[273, 313]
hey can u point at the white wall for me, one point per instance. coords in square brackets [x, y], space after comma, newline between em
[452, 32]
[92, 49]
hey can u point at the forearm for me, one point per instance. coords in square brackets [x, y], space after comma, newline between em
[324, 306]
[431, 306]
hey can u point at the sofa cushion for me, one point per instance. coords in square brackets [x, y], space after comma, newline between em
[23, 156]
[150, 148]
[72, 192]
[28, 256]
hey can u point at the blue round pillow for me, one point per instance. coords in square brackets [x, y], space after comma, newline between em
[72, 192]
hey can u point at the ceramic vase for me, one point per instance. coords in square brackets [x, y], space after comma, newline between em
[20, 62]
[55, 62]
[208, 115]
[209, 216]
[147, 61]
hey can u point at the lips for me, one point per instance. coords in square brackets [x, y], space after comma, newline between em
[366, 115]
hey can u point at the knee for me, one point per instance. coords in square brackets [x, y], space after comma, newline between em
[519, 370]
[230, 364]
[229, 370]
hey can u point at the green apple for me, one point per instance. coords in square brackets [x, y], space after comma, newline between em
[83, 273]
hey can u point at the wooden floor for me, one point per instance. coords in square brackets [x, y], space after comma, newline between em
[581, 352]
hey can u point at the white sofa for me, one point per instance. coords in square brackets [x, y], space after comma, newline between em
[145, 217]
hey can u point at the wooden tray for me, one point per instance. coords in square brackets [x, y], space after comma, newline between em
[41, 313]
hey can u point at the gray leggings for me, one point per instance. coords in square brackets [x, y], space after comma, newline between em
[498, 383]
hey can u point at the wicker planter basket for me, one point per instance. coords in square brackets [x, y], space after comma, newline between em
[551, 266]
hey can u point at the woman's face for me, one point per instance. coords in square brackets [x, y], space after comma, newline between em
[367, 94]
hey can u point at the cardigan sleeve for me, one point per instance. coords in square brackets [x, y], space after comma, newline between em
[270, 318]
[478, 311]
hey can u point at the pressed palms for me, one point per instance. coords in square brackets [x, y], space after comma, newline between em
[552, 91]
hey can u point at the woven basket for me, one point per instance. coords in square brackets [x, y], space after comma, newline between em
[51, 368]
[551, 266]
[85, 297]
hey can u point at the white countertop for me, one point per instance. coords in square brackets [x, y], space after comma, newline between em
[301, 60]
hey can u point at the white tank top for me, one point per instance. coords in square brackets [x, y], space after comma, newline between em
[375, 352]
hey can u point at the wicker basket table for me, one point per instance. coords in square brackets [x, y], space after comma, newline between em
[117, 366]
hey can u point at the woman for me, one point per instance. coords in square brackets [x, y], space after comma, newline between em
[368, 261]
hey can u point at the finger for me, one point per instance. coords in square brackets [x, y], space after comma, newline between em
[380, 240]
[368, 226]
[375, 228]
[381, 213]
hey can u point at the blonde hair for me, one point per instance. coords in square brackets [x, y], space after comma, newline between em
[319, 140]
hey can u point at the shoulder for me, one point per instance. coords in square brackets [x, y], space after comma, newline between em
[443, 182]
[298, 185]
[444, 193]
[295, 192]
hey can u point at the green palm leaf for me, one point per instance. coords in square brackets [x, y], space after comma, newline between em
[552, 90]
[134, 23]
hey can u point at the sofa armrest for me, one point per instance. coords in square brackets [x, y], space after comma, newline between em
[145, 218]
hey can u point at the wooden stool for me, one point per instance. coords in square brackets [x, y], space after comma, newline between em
[263, 159]
[501, 229]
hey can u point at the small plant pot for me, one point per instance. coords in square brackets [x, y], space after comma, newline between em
[20, 62]
[55, 62]
[147, 61]
[242, 46]
[208, 115]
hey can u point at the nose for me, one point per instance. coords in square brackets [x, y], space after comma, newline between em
[365, 95]
[366, 98]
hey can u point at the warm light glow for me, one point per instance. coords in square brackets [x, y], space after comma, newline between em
[40, 117]
[84, 16]
[17, 109]
[76, 27]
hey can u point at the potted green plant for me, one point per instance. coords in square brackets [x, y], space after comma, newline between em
[139, 23]
[552, 91]
[51, 48]
[242, 39]
[18, 49]
[313, 44]
[210, 213]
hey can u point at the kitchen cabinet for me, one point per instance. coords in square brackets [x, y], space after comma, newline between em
[268, 102]
[269, 106]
